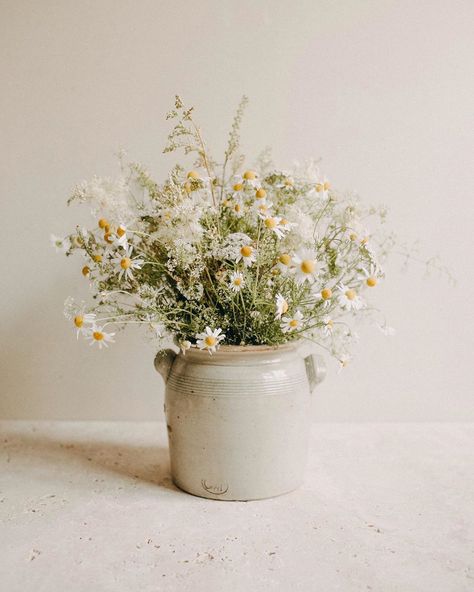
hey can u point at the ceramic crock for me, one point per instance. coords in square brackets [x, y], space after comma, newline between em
[238, 420]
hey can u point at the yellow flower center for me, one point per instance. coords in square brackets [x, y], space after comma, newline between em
[285, 259]
[249, 175]
[307, 266]
[125, 263]
[350, 294]
[262, 208]
[289, 182]
[188, 187]
[120, 231]
[270, 222]
[237, 281]
[193, 175]
[238, 187]
[293, 323]
[237, 208]
[98, 335]
[260, 193]
[79, 321]
[353, 236]
[85, 271]
[330, 324]
[364, 241]
[283, 221]
[210, 341]
[97, 258]
[326, 293]
[371, 282]
[103, 223]
[322, 186]
[108, 237]
[246, 251]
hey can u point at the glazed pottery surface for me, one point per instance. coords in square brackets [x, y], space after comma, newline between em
[238, 420]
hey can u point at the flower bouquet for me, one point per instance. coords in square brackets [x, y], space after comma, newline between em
[243, 263]
[226, 254]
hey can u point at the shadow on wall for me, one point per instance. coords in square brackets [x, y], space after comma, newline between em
[45, 373]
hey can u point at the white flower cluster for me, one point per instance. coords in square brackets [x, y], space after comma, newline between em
[258, 256]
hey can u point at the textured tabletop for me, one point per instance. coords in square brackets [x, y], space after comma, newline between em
[91, 507]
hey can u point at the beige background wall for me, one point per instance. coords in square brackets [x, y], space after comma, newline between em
[381, 90]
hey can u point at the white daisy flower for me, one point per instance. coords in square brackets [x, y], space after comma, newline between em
[281, 306]
[287, 224]
[250, 179]
[81, 320]
[236, 281]
[370, 276]
[289, 324]
[325, 295]
[209, 339]
[307, 266]
[62, 245]
[349, 299]
[284, 263]
[343, 362]
[328, 326]
[237, 207]
[237, 190]
[262, 206]
[247, 254]
[274, 224]
[98, 335]
[322, 187]
[125, 264]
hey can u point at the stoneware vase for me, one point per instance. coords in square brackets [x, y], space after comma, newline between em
[238, 420]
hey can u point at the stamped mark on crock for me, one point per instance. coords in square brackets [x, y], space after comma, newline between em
[217, 489]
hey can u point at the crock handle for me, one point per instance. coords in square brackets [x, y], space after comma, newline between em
[163, 361]
[315, 370]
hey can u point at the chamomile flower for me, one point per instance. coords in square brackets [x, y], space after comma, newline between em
[237, 207]
[250, 179]
[344, 361]
[274, 224]
[236, 281]
[81, 321]
[262, 206]
[327, 326]
[284, 263]
[349, 299]
[281, 306]
[370, 275]
[307, 266]
[97, 335]
[322, 187]
[246, 254]
[325, 296]
[237, 190]
[289, 324]
[209, 339]
[125, 264]
[62, 245]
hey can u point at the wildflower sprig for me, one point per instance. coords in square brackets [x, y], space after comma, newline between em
[225, 254]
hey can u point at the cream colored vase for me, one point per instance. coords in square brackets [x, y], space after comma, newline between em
[238, 420]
